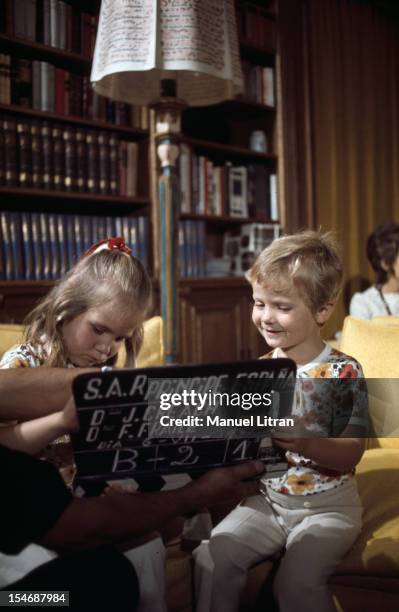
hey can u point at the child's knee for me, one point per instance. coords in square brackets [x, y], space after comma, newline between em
[219, 550]
[227, 550]
[287, 585]
[202, 556]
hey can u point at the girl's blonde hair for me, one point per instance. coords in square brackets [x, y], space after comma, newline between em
[106, 276]
[309, 259]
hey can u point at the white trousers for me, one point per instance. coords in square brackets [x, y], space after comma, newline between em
[316, 531]
[147, 559]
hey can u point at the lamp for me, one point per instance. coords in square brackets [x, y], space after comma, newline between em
[148, 52]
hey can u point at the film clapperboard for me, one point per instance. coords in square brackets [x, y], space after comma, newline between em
[120, 437]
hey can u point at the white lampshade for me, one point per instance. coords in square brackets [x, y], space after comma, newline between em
[141, 42]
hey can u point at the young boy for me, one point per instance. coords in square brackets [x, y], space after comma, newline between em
[313, 512]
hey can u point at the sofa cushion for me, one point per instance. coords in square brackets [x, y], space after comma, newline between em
[376, 551]
[10, 334]
[152, 351]
[385, 320]
[376, 347]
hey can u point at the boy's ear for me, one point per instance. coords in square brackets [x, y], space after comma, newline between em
[324, 313]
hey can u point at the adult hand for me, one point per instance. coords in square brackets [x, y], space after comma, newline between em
[69, 416]
[227, 484]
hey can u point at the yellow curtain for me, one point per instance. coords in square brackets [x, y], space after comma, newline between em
[353, 81]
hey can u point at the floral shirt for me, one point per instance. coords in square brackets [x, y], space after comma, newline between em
[59, 452]
[325, 410]
[24, 356]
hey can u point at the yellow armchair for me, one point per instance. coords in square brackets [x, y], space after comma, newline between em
[389, 321]
[374, 343]
[152, 351]
[368, 578]
[10, 334]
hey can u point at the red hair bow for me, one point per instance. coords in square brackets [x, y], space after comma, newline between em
[110, 244]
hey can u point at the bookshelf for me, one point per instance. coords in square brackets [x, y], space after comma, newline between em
[28, 195]
[216, 312]
[217, 142]
[211, 308]
[73, 166]
[134, 132]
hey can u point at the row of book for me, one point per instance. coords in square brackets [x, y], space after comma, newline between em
[257, 29]
[239, 249]
[43, 155]
[192, 248]
[41, 86]
[259, 83]
[43, 246]
[51, 22]
[226, 190]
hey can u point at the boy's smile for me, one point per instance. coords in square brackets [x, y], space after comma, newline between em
[286, 322]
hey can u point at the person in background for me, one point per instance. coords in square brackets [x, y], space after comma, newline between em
[382, 299]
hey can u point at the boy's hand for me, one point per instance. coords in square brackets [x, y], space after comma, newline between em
[295, 438]
[295, 445]
[225, 484]
[297, 430]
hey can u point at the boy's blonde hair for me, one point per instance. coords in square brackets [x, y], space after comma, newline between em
[309, 260]
[106, 276]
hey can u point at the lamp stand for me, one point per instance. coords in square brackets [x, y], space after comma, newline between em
[167, 136]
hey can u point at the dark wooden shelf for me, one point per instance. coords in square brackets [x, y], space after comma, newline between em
[259, 6]
[90, 6]
[95, 198]
[214, 282]
[247, 105]
[257, 55]
[59, 57]
[19, 286]
[138, 133]
[217, 219]
[230, 150]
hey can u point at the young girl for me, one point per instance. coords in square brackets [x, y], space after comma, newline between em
[99, 305]
[84, 320]
[97, 308]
